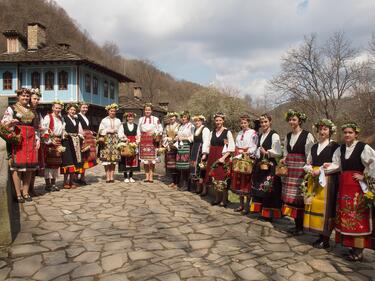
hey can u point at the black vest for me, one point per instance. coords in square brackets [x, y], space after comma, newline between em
[219, 141]
[299, 146]
[84, 125]
[70, 127]
[354, 162]
[325, 155]
[267, 144]
[199, 138]
[128, 132]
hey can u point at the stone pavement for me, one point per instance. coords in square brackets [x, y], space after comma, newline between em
[124, 231]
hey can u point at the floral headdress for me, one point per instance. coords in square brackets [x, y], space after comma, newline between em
[82, 103]
[352, 125]
[58, 102]
[326, 122]
[199, 117]
[127, 114]
[70, 105]
[185, 113]
[219, 114]
[148, 104]
[23, 90]
[35, 91]
[291, 113]
[172, 114]
[111, 106]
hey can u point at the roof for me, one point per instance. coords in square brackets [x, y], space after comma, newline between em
[133, 103]
[58, 54]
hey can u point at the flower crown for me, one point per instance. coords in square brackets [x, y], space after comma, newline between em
[352, 125]
[71, 104]
[185, 113]
[35, 91]
[126, 114]
[219, 114]
[82, 103]
[23, 90]
[199, 117]
[326, 122]
[148, 104]
[291, 113]
[171, 114]
[58, 102]
[112, 106]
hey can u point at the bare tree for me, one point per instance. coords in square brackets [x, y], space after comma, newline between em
[317, 77]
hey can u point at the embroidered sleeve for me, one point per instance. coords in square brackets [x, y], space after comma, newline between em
[275, 150]
[309, 143]
[8, 116]
[335, 166]
[206, 135]
[231, 144]
[102, 128]
[368, 160]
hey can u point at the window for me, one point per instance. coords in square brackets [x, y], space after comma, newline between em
[63, 80]
[95, 86]
[112, 91]
[88, 83]
[105, 89]
[7, 80]
[49, 80]
[35, 80]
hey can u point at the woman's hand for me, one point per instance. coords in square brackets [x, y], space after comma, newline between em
[283, 161]
[263, 151]
[315, 173]
[358, 177]
[14, 122]
[37, 145]
[240, 151]
[204, 157]
[221, 160]
[326, 165]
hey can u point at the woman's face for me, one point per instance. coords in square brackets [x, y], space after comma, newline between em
[219, 122]
[198, 123]
[265, 124]
[112, 113]
[130, 118]
[72, 111]
[84, 108]
[34, 100]
[24, 99]
[244, 124]
[294, 122]
[172, 119]
[148, 111]
[184, 119]
[324, 133]
[350, 135]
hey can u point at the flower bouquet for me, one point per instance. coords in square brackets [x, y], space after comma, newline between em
[307, 195]
[161, 151]
[243, 165]
[127, 149]
[370, 193]
[266, 186]
[220, 185]
[203, 165]
[9, 136]
[156, 137]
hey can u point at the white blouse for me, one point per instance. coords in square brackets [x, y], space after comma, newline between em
[111, 125]
[247, 139]
[275, 150]
[8, 117]
[206, 137]
[58, 125]
[294, 138]
[230, 147]
[186, 131]
[149, 125]
[367, 159]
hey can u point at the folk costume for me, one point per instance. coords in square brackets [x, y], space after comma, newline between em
[89, 155]
[297, 147]
[72, 161]
[54, 128]
[148, 129]
[129, 164]
[112, 130]
[201, 142]
[24, 156]
[265, 185]
[169, 133]
[354, 225]
[320, 210]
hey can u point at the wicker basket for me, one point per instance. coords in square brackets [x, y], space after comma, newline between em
[264, 166]
[281, 171]
[243, 166]
[127, 151]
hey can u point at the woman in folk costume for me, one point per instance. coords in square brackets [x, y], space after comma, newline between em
[89, 142]
[111, 131]
[34, 102]
[169, 134]
[219, 151]
[296, 148]
[72, 139]
[53, 124]
[184, 138]
[320, 191]
[246, 146]
[149, 133]
[266, 186]
[129, 164]
[22, 121]
[201, 143]
[354, 224]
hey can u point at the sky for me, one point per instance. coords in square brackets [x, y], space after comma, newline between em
[229, 43]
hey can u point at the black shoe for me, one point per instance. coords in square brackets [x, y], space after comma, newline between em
[55, 188]
[28, 198]
[321, 244]
[82, 182]
[265, 219]
[48, 189]
[295, 231]
[214, 203]
[203, 194]
[20, 199]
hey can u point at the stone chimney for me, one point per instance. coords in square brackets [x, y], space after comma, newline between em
[138, 92]
[15, 41]
[36, 36]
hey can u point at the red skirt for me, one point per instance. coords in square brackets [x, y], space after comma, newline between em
[89, 157]
[147, 149]
[52, 157]
[128, 162]
[219, 173]
[240, 182]
[24, 154]
[354, 219]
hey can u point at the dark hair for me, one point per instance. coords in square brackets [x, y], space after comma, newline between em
[266, 115]
[246, 117]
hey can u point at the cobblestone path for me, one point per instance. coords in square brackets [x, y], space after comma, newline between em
[141, 231]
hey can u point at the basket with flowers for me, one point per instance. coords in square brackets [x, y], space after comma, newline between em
[127, 149]
[222, 184]
[9, 135]
[243, 165]
[370, 193]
